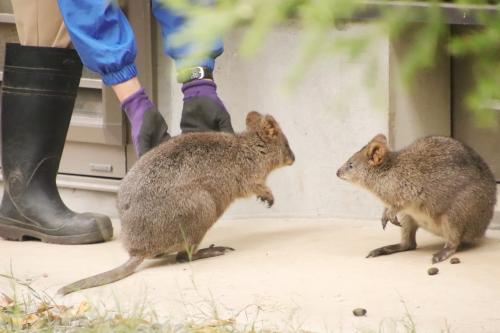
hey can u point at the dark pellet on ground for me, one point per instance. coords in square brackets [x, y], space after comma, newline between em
[359, 312]
[455, 261]
[432, 271]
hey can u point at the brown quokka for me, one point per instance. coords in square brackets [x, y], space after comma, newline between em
[176, 192]
[436, 183]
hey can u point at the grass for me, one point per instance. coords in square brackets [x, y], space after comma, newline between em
[38, 313]
[28, 310]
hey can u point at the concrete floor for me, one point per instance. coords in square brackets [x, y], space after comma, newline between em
[306, 274]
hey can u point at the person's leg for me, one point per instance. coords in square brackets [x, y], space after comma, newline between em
[39, 23]
[38, 93]
[53, 33]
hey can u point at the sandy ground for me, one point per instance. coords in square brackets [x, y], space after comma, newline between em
[289, 274]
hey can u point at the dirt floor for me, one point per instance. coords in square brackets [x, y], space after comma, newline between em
[288, 274]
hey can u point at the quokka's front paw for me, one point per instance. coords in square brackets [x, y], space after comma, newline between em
[267, 198]
[389, 215]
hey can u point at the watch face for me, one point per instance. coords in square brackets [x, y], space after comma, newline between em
[194, 73]
[197, 73]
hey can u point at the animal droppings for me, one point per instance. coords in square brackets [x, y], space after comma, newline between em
[432, 271]
[454, 261]
[359, 312]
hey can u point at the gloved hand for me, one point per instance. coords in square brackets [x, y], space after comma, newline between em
[203, 110]
[148, 128]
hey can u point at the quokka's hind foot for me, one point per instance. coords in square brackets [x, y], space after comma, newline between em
[443, 254]
[390, 249]
[209, 252]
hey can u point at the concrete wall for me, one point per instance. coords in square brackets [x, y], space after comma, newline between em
[328, 117]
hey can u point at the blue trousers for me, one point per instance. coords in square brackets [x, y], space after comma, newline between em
[103, 38]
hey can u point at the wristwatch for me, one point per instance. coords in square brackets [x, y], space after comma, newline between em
[194, 73]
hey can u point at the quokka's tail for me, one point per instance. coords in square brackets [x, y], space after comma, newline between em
[104, 278]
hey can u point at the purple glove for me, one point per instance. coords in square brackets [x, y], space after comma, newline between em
[203, 110]
[147, 125]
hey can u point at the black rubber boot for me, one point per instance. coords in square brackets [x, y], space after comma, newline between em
[39, 90]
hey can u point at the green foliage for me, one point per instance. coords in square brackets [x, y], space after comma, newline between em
[426, 29]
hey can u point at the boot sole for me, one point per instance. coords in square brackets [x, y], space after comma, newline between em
[13, 233]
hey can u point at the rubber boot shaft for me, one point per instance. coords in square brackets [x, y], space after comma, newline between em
[39, 91]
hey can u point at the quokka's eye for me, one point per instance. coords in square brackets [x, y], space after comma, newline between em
[350, 165]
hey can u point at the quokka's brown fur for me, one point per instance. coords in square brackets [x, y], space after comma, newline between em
[176, 192]
[436, 183]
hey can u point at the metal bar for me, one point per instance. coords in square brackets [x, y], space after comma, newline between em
[416, 10]
[7, 18]
[91, 83]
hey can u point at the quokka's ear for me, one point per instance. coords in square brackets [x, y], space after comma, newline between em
[253, 119]
[377, 149]
[381, 138]
[270, 127]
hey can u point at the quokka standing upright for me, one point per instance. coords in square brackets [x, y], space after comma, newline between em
[177, 191]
